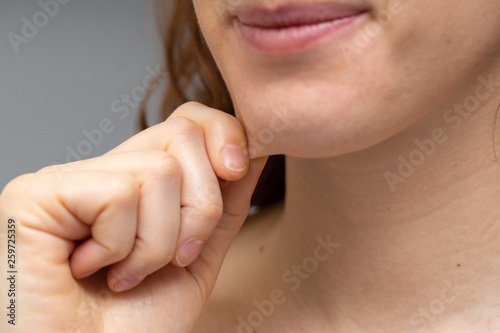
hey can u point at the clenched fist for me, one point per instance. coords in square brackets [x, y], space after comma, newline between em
[131, 241]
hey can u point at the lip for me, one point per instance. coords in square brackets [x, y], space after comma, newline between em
[294, 28]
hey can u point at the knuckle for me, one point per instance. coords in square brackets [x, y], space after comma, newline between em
[211, 211]
[18, 186]
[189, 105]
[46, 169]
[210, 192]
[124, 188]
[60, 168]
[182, 126]
[227, 121]
[166, 166]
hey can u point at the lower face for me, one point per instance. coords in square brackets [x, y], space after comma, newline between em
[312, 78]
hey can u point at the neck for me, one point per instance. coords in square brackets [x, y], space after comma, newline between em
[416, 223]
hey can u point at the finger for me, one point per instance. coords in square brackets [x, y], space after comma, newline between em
[236, 196]
[201, 200]
[113, 229]
[98, 208]
[157, 229]
[225, 139]
[159, 175]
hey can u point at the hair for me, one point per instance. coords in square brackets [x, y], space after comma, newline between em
[193, 76]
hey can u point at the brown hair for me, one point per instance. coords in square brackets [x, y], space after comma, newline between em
[194, 76]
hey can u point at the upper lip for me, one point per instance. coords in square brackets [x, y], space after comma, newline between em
[295, 15]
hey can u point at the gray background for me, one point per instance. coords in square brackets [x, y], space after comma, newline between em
[66, 78]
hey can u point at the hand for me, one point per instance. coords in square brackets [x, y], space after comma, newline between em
[139, 215]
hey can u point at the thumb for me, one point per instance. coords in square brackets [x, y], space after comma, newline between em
[236, 197]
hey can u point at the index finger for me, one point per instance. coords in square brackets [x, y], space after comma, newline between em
[225, 139]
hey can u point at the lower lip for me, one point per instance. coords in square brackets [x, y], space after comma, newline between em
[295, 38]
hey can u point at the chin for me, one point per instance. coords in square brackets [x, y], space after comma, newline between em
[315, 122]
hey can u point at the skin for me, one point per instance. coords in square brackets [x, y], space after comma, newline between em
[420, 256]
[347, 119]
[130, 212]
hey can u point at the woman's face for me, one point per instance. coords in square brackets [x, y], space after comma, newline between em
[319, 78]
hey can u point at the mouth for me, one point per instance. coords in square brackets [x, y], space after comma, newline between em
[295, 28]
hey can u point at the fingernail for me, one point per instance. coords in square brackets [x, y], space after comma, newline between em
[233, 157]
[189, 251]
[127, 283]
[87, 274]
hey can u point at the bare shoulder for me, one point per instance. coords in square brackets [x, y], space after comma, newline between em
[240, 278]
